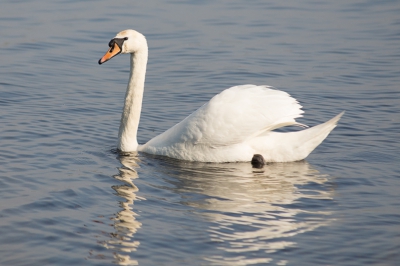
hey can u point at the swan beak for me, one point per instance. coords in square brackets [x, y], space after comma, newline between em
[113, 51]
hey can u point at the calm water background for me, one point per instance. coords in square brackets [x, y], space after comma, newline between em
[66, 198]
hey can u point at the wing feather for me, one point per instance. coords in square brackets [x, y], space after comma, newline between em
[233, 116]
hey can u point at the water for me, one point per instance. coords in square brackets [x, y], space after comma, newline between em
[66, 198]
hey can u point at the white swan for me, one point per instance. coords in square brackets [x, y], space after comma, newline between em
[233, 126]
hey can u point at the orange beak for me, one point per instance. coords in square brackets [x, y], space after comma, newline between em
[113, 51]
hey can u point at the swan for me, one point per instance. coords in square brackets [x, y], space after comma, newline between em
[236, 125]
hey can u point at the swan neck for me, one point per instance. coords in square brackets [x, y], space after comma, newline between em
[127, 137]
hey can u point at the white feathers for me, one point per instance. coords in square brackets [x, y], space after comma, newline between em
[233, 116]
[236, 124]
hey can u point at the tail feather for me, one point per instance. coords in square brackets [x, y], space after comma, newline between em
[310, 138]
[293, 146]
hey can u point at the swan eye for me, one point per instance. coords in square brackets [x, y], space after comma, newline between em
[117, 41]
[111, 43]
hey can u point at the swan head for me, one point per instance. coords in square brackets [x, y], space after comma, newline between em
[125, 42]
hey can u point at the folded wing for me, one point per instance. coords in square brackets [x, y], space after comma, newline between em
[233, 116]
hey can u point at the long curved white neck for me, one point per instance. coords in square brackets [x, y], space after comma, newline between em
[127, 136]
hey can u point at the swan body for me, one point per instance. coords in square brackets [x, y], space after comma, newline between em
[233, 126]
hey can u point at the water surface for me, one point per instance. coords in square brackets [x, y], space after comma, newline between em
[66, 198]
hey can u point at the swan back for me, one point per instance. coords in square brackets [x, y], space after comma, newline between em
[230, 119]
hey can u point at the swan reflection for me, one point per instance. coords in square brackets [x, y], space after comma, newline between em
[251, 211]
[125, 223]
[248, 214]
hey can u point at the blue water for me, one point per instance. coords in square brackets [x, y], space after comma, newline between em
[67, 199]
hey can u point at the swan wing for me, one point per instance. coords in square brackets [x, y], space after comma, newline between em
[233, 116]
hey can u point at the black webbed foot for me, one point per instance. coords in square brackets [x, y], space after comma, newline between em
[257, 161]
